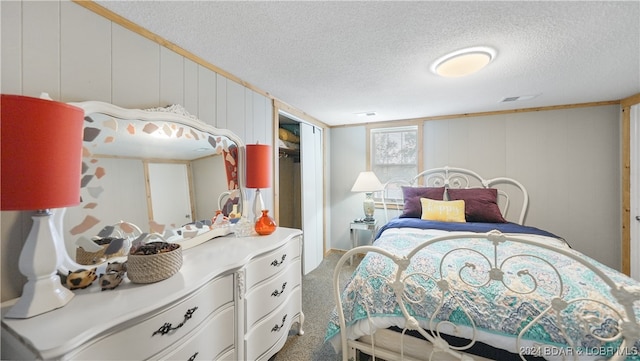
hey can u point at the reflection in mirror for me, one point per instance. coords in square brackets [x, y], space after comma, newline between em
[150, 171]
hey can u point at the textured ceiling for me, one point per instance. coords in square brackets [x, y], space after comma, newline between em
[333, 59]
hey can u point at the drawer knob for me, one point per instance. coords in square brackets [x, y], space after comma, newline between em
[168, 327]
[277, 263]
[277, 293]
[277, 328]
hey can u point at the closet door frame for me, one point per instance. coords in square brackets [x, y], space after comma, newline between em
[630, 119]
[634, 154]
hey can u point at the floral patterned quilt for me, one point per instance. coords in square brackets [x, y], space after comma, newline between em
[484, 288]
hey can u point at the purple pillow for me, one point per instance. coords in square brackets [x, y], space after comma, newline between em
[412, 195]
[480, 204]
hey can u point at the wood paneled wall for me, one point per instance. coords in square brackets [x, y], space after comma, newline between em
[567, 157]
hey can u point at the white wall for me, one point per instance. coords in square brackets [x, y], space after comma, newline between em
[569, 160]
[75, 55]
[347, 158]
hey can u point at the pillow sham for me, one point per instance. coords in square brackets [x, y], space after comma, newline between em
[443, 211]
[481, 204]
[412, 195]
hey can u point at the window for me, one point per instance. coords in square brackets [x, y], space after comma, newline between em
[394, 155]
[394, 152]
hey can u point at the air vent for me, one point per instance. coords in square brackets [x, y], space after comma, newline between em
[518, 98]
[367, 114]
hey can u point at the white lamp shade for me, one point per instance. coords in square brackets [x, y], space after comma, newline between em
[367, 182]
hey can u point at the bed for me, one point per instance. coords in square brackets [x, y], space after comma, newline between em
[448, 280]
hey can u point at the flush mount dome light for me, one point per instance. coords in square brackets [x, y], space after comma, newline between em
[463, 62]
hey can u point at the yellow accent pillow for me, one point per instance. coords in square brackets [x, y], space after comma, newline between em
[443, 211]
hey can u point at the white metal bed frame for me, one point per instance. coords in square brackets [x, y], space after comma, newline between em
[390, 345]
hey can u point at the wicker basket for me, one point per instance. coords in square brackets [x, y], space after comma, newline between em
[91, 258]
[154, 267]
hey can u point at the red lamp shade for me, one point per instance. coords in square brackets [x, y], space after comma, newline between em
[258, 172]
[41, 153]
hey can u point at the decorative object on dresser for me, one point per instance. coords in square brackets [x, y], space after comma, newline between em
[113, 275]
[234, 215]
[265, 224]
[81, 278]
[153, 261]
[110, 280]
[244, 227]
[41, 164]
[258, 173]
[84, 256]
[368, 183]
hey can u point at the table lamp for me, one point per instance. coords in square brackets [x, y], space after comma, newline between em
[258, 173]
[41, 143]
[368, 183]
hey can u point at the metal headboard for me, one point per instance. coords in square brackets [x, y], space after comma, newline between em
[460, 178]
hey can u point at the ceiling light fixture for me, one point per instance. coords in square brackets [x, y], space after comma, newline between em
[463, 62]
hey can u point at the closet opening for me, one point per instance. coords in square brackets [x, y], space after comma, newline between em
[290, 191]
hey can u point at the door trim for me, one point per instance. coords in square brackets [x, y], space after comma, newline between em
[634, 192]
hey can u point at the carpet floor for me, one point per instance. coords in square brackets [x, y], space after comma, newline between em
[317, 304]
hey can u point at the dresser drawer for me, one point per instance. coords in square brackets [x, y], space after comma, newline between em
[263, 299]
[229, 356]
[268, 332]
[266, 266]
[141, 338]
[213, 341]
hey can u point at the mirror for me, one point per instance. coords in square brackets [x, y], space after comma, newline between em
[156, 171]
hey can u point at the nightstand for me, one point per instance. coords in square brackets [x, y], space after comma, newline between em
[371, 226]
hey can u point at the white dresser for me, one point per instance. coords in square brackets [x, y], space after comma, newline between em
[233, 299]
[271, 300]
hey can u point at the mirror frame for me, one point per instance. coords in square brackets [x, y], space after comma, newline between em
[177, 114]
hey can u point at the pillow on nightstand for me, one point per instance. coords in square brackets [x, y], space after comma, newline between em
[443, 211]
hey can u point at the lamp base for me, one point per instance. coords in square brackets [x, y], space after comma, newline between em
[369, 207]
[39, 261]
[66, 264]
[258, 206]
[40, 296]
